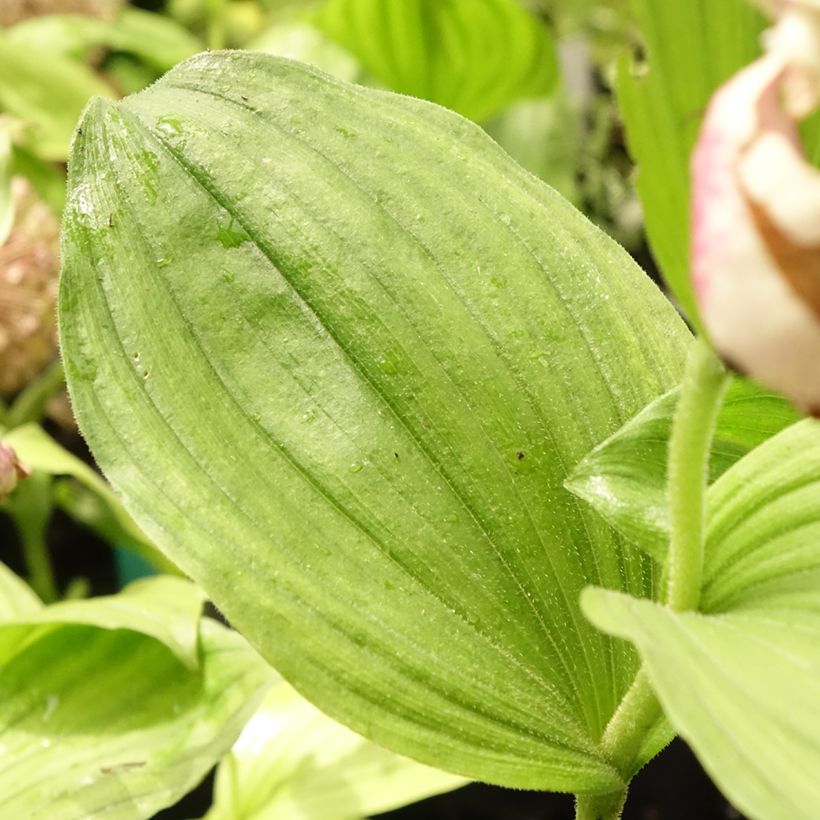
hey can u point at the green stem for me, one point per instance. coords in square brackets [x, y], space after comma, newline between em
[693, 427]
[704, 384]
[40, 572]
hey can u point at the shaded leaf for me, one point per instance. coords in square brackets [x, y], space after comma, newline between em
[47, 92]
[337, 352]
[292, 761]
[624, 477]
[693, 46]
[475, 57]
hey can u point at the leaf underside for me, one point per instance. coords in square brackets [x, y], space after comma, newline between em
[337, 353]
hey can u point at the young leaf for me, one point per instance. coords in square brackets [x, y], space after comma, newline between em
[741, 688]
[108, 723]
[624, 477]
[336, 351]
[693, 46]
[474, 57]
[763, 537]
[293, 761]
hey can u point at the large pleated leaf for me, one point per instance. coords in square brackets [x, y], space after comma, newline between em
[291, 761]
[337, 353]
[624, 477]
[98, 715]
[474, 56]
[693, 46]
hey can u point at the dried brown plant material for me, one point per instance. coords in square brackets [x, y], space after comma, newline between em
[29, 265]
[13, 11]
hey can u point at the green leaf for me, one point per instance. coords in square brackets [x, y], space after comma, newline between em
[693, 46]
[300, 41]
[47, 92]
[165, 608]
[475, 57]
[742, 683]
[108, 723]
[763, 537]
[16, 596]
[6, 201]
[624, 477]
[293, 761]
[37, 450]
[336, 351]
[741, 688]
[156, 39]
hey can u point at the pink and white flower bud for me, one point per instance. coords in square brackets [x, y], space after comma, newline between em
[11, 470]
[756, 231]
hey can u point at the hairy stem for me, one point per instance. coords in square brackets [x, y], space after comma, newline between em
[704, 385]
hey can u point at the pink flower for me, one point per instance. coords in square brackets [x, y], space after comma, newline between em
[11, 470]
[756, 221]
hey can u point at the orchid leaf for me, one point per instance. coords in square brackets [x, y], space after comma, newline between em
[741, 688]
[337, 352]
[47, 93]
[624, 477]
[692, 47]
[108, 723]
[474, 56]
[293, 761]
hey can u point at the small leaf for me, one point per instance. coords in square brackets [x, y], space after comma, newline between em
[337, 352]
[108, 723]
[293, 761]
[474, 57]
[693, 46]
[624, 477]
[16, 597]
[47, 93]
[741, 688]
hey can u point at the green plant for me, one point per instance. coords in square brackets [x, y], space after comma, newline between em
[432, 442]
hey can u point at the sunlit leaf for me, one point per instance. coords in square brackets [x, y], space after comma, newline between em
[337, 353]
[16, 596]
[693, 46]
[108, 723]
[165, 608]
[292, 761]
[624, 477]
[474, 56]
